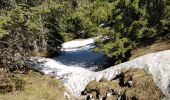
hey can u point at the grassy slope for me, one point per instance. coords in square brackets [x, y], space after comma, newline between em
[36, 87]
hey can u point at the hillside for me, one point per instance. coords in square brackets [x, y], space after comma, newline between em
[155, 64]
[62, 45]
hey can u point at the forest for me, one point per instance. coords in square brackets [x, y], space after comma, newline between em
[39, 27]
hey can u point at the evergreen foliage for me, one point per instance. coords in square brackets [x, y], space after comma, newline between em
[32, 27]
[133, 23]
[29, 31]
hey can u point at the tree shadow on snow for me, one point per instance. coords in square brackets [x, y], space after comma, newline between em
[82, 56]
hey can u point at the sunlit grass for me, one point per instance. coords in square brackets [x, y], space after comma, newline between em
[37, 87]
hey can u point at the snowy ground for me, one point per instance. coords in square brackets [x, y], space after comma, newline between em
[74, 66]
[75, 63]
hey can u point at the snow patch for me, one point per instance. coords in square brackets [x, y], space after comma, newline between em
[74, 66]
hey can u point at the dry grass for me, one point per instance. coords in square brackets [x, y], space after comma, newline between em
[36, 87]
[155, 47]
[143, 86]
[101, 87]
[9, 83]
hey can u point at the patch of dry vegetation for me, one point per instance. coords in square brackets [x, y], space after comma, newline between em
[35, 87]
[9, 83]
[143, 87]
[155, 47]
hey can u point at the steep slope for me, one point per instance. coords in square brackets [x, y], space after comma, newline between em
[76, 74]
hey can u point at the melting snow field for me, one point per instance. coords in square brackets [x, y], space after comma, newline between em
[74, 67]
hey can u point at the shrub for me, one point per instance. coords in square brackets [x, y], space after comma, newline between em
[30, 31]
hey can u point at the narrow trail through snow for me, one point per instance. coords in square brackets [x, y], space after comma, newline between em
[74, 67]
